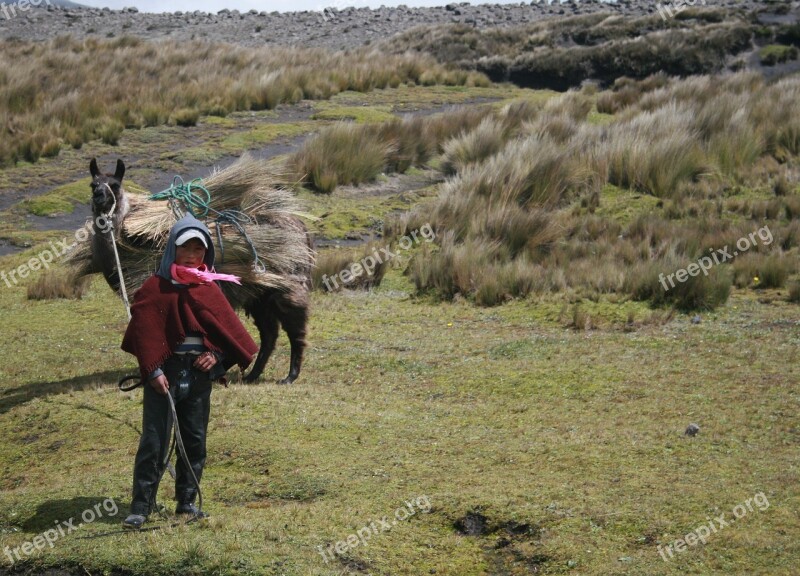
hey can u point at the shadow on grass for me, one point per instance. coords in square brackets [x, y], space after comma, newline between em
[73, 512]
[15, 396]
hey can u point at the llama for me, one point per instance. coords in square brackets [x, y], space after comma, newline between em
[275, 297]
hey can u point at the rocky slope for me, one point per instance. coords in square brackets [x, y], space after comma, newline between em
[327, 27]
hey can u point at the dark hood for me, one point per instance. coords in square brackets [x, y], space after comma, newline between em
[185, 223]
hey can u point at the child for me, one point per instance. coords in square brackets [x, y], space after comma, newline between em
[184, 335]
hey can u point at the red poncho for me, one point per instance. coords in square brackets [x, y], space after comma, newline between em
[162, 314]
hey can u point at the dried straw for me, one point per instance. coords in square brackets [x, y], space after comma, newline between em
[278, 236]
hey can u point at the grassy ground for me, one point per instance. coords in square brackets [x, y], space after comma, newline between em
[558, 450]
[522, 444]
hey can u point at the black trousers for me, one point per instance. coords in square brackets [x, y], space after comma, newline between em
[191, 390]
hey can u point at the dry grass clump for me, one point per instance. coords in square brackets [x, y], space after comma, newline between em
[498, 217]
[342, 154]
[701, 292]
[794, 292]
[485, 141]
[475, 268]
[46, 101]
[627, 91]
[763, 271]
[57, 283]
[354, 153]
[655, 151]
[354, 269]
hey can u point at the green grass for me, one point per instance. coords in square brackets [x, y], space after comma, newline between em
[624, 205]
[49, 206]
[263, 134]
[341, 214]
[60, 200]
[777, 54]
[364, 114]
[569, 443]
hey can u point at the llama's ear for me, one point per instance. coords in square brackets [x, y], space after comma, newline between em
[120, 170]
[93, 170]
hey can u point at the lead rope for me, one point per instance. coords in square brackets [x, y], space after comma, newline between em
[110, 222]
[178, 440]
[182, 451]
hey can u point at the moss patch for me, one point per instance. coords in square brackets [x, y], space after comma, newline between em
[624, 205]
[777, 54]
[263, 134]
[360, 114]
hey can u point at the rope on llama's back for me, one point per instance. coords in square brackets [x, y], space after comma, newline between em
[257, 233]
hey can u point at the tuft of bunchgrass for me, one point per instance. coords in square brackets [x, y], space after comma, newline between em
[352, 269]
[794, 292]
[342, 154]
[57, 283]
[647, 281]
[486, 140]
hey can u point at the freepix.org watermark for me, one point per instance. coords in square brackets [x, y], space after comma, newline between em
[712, 526]
[9, 11]
[670, 10]
[719, 256]
[51, 536]
[368, 264]
[362, 535]
[56, 250]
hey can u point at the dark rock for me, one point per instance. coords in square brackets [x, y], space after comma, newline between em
[692, 430]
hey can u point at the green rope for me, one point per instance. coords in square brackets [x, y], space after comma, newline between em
[195, 196]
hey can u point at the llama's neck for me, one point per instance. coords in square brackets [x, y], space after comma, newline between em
[103, 258]
[101, 221]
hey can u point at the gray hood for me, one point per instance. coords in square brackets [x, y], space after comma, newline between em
[185, 223]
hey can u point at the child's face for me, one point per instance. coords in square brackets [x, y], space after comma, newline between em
[190, 254]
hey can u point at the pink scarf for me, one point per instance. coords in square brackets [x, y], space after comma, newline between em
[199, 275]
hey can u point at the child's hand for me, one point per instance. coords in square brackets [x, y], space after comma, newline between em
[205, 361]
[160, 384]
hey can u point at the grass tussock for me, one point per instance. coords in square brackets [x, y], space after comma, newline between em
[57, 283]
[654, 151]
[46, 102]
[342, 154]
[794, 292]
[357, 269]
[348, 153]
[526, 210]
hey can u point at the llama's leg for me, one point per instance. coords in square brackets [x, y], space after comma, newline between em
[267, 324]
[294, 321]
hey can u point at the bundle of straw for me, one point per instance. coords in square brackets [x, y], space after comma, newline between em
[274, 229]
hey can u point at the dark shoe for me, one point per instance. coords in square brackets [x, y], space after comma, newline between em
[190, 509]
[134, 521]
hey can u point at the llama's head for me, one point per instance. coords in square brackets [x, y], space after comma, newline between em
[106, 188]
